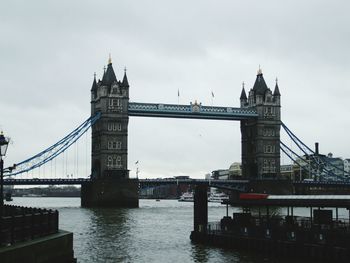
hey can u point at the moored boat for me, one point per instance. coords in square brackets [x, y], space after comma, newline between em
[186, 197]
[218, 197]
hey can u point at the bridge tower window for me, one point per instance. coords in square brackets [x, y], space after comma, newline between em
[114, 104]
[114, 145]
[269, 148]
[272, 166]
[265, 166]
[114, 161]
[269, 166]
[268, 132]
[114, 126]
[269, 111]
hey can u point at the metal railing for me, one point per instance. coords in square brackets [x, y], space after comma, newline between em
[301, 229]
[19, 224]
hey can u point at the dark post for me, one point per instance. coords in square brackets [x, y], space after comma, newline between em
[311, 215]
[1, 183]
[336, 214]
[4, 142]
[200, 208]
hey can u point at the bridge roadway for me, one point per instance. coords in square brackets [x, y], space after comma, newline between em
[224, 184]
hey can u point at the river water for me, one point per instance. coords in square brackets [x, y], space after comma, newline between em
[155, 232]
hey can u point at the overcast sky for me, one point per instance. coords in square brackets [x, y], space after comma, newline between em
[49, 51]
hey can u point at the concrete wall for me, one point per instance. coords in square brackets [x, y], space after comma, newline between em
[55, 248]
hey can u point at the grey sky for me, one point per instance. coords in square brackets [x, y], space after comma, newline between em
[49, 51]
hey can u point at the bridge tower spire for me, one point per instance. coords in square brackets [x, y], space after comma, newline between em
[261, 136]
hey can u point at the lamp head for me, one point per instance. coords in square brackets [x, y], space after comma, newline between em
[4, 142]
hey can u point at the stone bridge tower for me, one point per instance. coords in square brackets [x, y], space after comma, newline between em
[261, 136]
[110, 133]
[110, 185]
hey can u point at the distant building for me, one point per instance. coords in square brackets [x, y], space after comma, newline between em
[336, 166]
[235, 170]
[182, 177]
[319, 167]
[221, 174]
[207, 176]
[347, 168]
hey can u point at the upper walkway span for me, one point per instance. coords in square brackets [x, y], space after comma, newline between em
[192, 111]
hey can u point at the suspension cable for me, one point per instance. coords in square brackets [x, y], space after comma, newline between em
[301, 146]
[53, 151]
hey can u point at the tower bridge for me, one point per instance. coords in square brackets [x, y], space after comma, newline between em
[259, 116]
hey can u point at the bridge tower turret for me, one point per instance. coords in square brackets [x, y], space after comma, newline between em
[261, 136]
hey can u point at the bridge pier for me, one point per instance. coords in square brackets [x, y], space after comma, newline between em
[110, 192]
[200, 212]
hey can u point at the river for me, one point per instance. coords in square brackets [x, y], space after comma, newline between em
[155, 232]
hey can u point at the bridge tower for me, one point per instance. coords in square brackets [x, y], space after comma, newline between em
[261, 136]
[110, 184]
[110, 133]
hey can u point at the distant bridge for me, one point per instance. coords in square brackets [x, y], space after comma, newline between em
[239, 185]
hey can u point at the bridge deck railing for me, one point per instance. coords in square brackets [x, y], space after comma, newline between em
[19, 224]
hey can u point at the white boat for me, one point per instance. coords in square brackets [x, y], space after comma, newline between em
[218, 197]
[186, 197]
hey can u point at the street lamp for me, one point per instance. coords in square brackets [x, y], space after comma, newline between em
[4, 142]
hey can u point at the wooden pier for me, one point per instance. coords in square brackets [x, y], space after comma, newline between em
[321, 236]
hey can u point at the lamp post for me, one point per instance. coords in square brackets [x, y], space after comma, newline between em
[4, 142]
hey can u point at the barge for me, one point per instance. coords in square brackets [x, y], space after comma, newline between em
[321, 236]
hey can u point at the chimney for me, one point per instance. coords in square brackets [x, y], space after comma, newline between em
[316, 148]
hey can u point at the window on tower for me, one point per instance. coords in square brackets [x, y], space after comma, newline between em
[114, 104]
[269, 148]
[272, 166]
[269, 111]
[114, 145]
[114, 126]
[114, 161]
[265, 166]
[269, 166]
[269, 132]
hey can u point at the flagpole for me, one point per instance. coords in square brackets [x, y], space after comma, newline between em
[137, 169]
